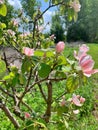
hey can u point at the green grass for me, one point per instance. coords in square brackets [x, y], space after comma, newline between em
[94, 53]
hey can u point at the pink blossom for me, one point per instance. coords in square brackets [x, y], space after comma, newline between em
[60, 47]
[15, 22]
[76, 111]
[86, 63]
[75, 5]
[28, 51]
[11, 32]
[27, 115]
[52, 37]
[76, 100]
[82, 100]
[82, 52]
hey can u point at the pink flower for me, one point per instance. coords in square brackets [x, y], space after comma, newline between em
[75, 5]
[82, 52]
[76, 111]
[86, 63]
[60, 47]
[27, 115]
[15, 22]
[82, 100]
[28, 51]
[76, 100]
[11, 32]
[52, 37]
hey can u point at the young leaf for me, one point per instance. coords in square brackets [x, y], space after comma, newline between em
[44, 70]
[2, 68]
[3, 10]
[2, 25]
[72, 83]
[26, 66]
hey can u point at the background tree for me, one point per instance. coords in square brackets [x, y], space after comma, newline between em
[87, 23]
[29, 7]
[57, 28]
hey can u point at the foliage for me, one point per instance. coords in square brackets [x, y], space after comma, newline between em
[77, 32]
[41, 89]
[86, 23]
[57, 28]
[28, 9]
[9, 13]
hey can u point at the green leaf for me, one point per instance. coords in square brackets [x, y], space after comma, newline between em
[44, 52]
[72, 83]
[26, 66]
[44, 70]
[60, 74]
[2, 68]
[62, 60]
[70, 14]
[22, 79]
[66, 68]
[2, 25]
[39, 53]
[75, 16]
[3, 10]
[66, 124]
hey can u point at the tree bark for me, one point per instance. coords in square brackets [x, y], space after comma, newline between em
[47, 114]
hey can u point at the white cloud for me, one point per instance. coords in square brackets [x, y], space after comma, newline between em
[15, 3]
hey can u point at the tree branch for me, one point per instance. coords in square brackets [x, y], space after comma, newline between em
[41, 91]
[6, 92]
[49, 102]
[9, 115]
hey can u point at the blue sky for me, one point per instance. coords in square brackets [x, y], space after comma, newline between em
[47, 15]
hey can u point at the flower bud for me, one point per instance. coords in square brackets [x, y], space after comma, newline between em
[60, 47]
[82, 100]
[27, 115]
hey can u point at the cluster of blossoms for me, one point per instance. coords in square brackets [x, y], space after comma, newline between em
[75, 5]
[76, 100]
[86, 62]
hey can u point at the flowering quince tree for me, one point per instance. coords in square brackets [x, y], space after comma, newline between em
[41, 67]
